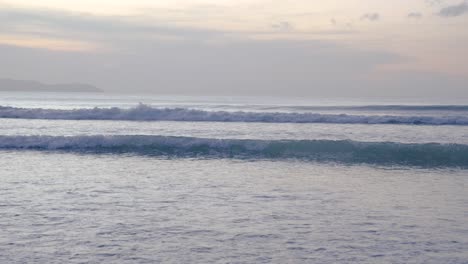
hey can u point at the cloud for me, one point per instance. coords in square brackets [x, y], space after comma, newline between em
[248, 67]
[342, 24]
[370, 16]
[62, 24]
[283, 26]
[142, 61]
[434, 2]
[415, 15]
[454, 10]
[107, 32]
[273, 68]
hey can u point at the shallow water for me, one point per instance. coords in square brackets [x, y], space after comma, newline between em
[220, 130]
[59, 207]
[198, 191]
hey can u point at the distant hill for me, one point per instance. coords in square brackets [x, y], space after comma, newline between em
[34, 86]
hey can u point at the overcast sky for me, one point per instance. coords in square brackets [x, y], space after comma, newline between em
[241, 47]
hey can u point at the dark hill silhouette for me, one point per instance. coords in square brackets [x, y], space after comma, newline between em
[34, 86]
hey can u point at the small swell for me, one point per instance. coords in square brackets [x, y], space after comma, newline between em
[346, 151]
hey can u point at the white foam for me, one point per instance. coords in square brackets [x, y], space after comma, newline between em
[146, 113]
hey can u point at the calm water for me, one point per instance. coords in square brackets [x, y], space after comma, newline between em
[173, 189]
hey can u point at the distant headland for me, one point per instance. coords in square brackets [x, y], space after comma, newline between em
[34, 86]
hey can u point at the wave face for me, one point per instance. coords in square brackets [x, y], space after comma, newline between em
[385, 153]
[146, 113]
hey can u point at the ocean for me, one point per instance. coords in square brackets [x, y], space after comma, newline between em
[109, 178]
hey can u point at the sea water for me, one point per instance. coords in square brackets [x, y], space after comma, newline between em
[168, 179]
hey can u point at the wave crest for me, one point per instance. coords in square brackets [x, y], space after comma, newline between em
[346, 151]
[146, 113]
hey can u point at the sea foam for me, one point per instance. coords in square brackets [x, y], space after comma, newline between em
[146, 113]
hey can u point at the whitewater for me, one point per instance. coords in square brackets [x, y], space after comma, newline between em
[179, 179]
[146, 113]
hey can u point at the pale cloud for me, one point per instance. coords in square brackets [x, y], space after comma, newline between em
[49, 43]
[68, 22]
[415, 15]
[85, 30]
[371, 16]
[454, 10]
[62, 30]
[434, 2]
[280, 51]
[267, 67]
[284, 26]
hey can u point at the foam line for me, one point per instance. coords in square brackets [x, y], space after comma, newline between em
[146, 113]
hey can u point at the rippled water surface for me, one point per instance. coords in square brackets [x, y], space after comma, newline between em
[68, 208]
[237, 180]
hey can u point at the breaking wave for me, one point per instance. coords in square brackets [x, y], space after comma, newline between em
[421, 108]
[146, 113]
[431, 155]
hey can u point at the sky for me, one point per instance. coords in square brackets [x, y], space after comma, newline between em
[313, 48]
